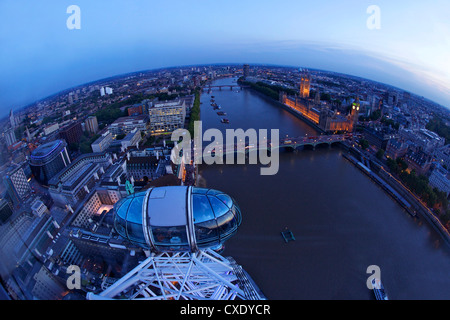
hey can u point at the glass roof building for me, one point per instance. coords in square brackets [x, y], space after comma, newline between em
[177, 218]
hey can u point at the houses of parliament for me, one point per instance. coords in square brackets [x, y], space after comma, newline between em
[320, 115]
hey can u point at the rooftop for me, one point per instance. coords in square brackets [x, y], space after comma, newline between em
[46, 149]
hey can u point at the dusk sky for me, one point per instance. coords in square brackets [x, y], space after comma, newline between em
[40, 56]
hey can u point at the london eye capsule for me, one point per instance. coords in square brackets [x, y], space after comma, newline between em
[177, 218]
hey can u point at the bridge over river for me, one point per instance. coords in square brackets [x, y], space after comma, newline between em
[231, 86]
[245, 146]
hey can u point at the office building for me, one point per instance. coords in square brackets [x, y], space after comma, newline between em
[125, 125]
[51, 128]
[12, 120]
[396, 148]
[105, 90]
[131, 139]
[428, 140]
[439, 178]
[167, 116]
[6, 211]
[102, 143]
[418, 160]
[47, 286]
[442, 155]
[145, 168]
[91, 124]
[378, 137]
[49, 159]
[246, 71]
[17, 185]
[10, 137]
[38, 208]
[74, 182]
[71, 133]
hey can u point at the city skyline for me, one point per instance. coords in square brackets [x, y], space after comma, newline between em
[212, 150]
[67, 189]
[42, 56]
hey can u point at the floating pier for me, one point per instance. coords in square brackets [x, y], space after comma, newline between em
[287, 235]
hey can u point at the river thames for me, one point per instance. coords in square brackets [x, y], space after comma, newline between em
[342, 221]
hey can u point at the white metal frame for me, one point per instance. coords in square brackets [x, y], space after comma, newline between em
[199, 275]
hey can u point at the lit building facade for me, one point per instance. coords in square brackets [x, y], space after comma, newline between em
[125, 125]
[303, 107]
[325, 119]
[305, 84]
[167, 116]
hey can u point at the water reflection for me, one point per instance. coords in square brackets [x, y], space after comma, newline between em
[342, 221]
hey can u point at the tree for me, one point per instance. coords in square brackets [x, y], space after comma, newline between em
[392, 165]
[438, 126]
[379, 154]
[364, 144]
[375, 115]
[195, 113]
[445, 217]
[401, 164]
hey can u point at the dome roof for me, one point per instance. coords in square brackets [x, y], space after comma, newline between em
[177, 218]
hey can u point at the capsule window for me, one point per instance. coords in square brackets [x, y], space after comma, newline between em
[213, 192]
[207, 232]
[202, 210]
[197, 190]
[135, 232]
[218, 206]
[119, 225]
[170, 235]
[226, 199]
[226, 223]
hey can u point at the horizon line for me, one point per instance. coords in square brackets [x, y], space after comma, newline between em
[28, 105]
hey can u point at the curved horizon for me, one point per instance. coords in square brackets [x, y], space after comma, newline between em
[119, 75]
[40, 56]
